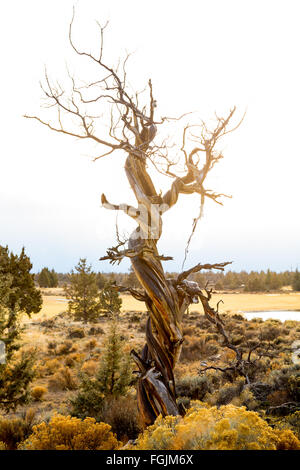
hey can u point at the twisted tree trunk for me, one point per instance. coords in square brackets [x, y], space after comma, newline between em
[156, 385]
[166, 299]
[132, 130]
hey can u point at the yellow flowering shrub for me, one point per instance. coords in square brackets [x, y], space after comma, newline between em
[160, 435]
[211, 428]
[287, 440]
[38, 392]
[2, 446]
[67, 433]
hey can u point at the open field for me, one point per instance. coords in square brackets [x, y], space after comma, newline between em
[236, 302]
[55, 303]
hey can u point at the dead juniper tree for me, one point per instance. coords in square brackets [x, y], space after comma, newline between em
[133, 130]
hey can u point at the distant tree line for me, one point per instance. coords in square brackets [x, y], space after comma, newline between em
[47, 278]
[254, 281]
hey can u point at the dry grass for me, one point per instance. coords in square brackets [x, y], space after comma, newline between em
[258, 302]
[235, 302]
[53, 291]
[52, 306]
[57, 366]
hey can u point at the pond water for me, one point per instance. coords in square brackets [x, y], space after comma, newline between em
[281, 315]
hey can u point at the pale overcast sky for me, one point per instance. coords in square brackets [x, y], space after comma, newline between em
[202, 56]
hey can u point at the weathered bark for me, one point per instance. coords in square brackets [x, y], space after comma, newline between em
[166, 300]
[156, 386]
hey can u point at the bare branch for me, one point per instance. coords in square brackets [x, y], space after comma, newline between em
[200, 267]
[137, 294]
[114, 255]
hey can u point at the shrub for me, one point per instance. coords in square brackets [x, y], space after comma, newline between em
[135, 318]
[237, 339]
[286, 440]
[48, 324]
[69, 361]
[280, 340]
[226, 428]
[277, 397]
[195, 348]
[293, 420]
[96, 330]
[91, 344]
[290, 422]
[188, 330]
[246, 398]
[193, 387]
[269, 332]
[52, 345]
[238, 316]
[40, 369]
[51, 366]
[65, 348]
[288, 379]
[122, 415]
[228, 392]
[38, 392]
[76, 333]
[291, 324]
[203, 323]
[63, 380]
[142, 327]
[66, 433]
[15, 430]
[257, 320]
[90, 368]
